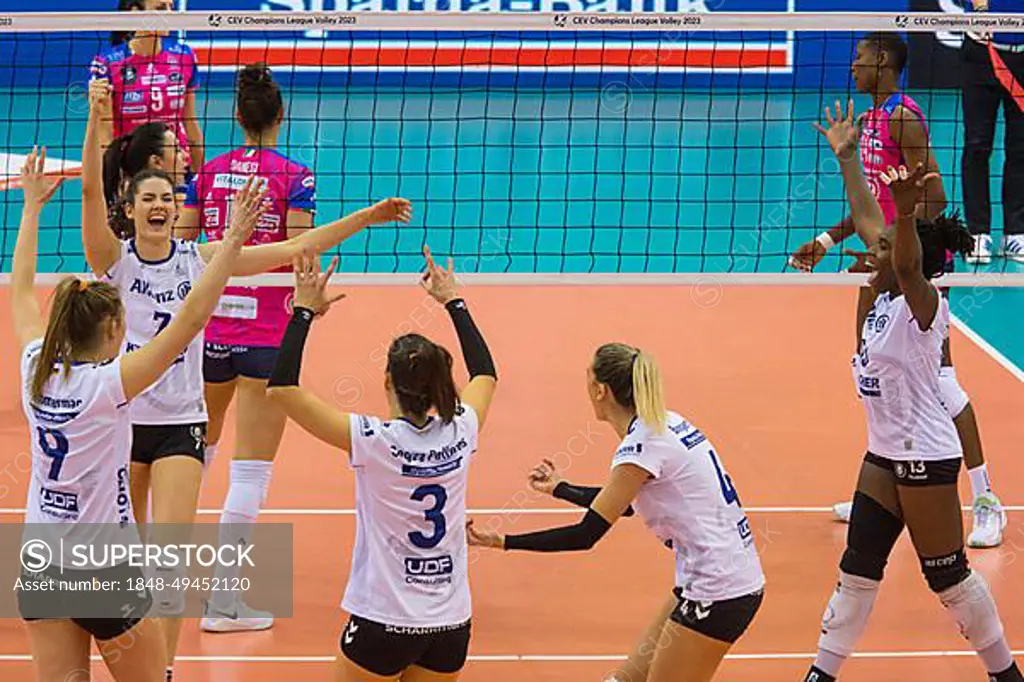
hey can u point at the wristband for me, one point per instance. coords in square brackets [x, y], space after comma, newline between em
[825, 239]
[289, 356]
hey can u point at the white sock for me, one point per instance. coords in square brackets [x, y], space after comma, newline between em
[208, 454]
[249, 482]
[979, 480]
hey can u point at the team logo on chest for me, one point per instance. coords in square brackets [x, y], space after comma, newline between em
[183, 289]
[881, 322]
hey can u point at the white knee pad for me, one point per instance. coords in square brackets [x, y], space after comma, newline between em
[953, 397]
[847, 614]
[974, 609]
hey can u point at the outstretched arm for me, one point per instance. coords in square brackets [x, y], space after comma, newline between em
[843, 135]
[909, 190]
[25, 312]
[615, 497]
[310, 412]
[440, 283]
[910, 134]
[102, 248]
[547, 479]
[257, 259]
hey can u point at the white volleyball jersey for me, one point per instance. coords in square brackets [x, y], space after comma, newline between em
[81, 435]
[691, 502]
[897, 377]
[153, 292]
[409, 566]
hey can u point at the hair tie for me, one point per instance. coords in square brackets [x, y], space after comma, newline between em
[82, 285]
[636, 354]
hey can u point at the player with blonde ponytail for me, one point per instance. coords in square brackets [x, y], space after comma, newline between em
[668, 470]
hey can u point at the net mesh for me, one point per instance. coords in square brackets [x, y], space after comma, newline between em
[540, 143]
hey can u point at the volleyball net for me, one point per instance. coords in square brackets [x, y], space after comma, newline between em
[655, 146]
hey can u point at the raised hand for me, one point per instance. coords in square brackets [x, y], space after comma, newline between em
[247, 207]
[843, 132]
[391, 210]
[311, 285]
[101, 99]
[908, 187]
[439, 283]
[39, 188]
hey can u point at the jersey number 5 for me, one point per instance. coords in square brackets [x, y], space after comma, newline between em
[434, 515]
[54, 445]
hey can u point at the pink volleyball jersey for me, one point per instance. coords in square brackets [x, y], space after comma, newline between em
[148, 89]
[878, 150]
[251, 316]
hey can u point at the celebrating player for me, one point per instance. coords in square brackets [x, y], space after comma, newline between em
[153, 273]
[75, 392]
[151, 146]
[894, 133]
[154, 79]
[909, 474]
[671, 474]
[243, 337]
[408, 592]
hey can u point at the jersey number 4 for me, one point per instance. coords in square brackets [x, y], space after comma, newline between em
[54, 445]
[728, 490]
[434, 515]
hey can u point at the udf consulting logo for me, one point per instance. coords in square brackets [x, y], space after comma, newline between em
[36, 556]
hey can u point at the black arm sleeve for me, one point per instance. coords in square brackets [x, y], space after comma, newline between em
[289, 357]
[474, 348]
[583, 535]
[581, 495]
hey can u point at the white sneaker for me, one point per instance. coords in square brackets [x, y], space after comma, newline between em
[240, 618]
[842, 511]
[1013, 247]
[989, 522]
[981, 254]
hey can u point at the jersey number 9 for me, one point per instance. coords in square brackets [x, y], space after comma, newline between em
[435, 515]
[54, 445]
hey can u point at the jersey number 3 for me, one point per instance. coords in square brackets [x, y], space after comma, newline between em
[434, 515]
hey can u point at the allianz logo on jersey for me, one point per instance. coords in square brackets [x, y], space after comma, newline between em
[145, 288]
[58, 503]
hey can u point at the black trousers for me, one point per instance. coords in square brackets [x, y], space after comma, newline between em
[982, 96]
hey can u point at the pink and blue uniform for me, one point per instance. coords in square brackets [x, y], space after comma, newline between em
[243, 336]
[149, 88]
[879, 151]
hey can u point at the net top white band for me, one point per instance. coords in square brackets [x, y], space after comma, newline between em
[921, 22]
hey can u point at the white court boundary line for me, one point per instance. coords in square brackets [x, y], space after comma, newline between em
[614, 279]
[550, 658]
[506, 511]
[1008, 364]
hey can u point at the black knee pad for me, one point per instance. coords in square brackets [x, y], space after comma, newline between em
[945, 572]
[873, 533]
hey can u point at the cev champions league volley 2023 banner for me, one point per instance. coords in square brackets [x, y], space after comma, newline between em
[322, 58]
